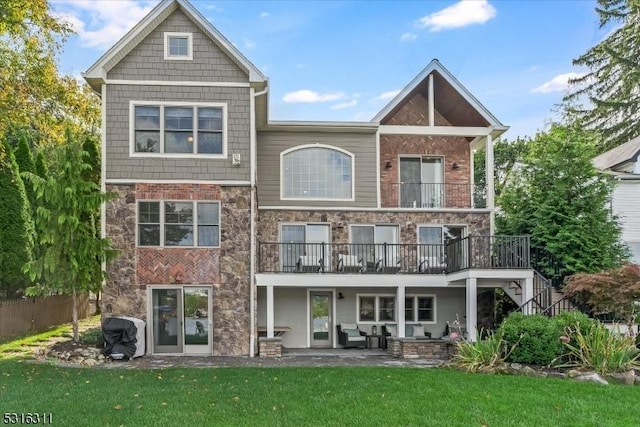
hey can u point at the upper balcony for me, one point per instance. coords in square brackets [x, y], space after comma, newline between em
[473, 252]
[433, 195]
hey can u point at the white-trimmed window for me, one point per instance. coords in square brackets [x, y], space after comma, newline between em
[178, 129]
[420, 308]
[178, 223]
[178, 46]
[376, 308]
[316, 172]
[369, 244]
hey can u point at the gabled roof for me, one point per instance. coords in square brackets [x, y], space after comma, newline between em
[436, 66]
[627, 152]
[98, 71]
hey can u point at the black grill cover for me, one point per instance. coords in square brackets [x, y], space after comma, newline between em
[119, 337]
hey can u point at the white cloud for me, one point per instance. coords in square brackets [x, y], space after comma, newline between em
[343, 105]
[388, 95]
[559, 83]
[213, 7]
[310, 96]
[101, 26]
[408, 37]
[461, 14]
[263, 14]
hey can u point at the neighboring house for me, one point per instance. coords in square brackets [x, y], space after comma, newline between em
[623, 164]
[231, 226]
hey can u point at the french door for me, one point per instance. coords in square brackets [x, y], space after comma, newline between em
[304, 240]
[181, 320]
[321, 327]
[421, 182]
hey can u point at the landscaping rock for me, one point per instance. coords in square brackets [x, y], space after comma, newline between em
[528, 371]
[560, 375]
[626, 378]
[90, 362]
[591, 377]
[574, 373]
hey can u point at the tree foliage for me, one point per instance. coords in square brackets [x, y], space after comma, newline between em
[610, 291]
[507, 154]
[612, 84]
[33, 95]
[67, 221]
[16, 230]
[558, 198]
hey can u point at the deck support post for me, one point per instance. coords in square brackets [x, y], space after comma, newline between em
[270, 312]
[400, 314]
[472, 308]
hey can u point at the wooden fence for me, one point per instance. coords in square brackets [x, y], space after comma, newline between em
[30, 315]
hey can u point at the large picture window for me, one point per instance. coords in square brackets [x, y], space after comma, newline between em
[172, 223]
[178, 129]
[317, 172]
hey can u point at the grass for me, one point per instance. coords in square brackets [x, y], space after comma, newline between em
[307, 397]
[24, 346]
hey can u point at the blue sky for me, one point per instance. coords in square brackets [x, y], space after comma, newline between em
[344, 60]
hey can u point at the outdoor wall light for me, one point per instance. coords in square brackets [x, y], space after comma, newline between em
[340, 296]
[455, 166]
[387, 165]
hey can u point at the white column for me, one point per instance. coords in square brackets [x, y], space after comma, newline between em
[472, 308]
[270, 311]
[472, 178]
[400, 313]
[490, 184]
[527, 293]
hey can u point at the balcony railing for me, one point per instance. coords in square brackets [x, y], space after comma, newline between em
[433, 195]
[486, 252]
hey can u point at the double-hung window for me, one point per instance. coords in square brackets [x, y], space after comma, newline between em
[178, 46]
[178, 223]
[376, 308]
[178, 129]
[420, 308]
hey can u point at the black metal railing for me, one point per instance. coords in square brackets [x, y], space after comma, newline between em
[433, 195]
[487, 252]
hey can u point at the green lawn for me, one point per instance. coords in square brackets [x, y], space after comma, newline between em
[307, 396]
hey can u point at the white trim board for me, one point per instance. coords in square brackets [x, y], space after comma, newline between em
[176, 181]
[124, 82]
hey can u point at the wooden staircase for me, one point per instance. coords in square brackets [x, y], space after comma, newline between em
[546, 300]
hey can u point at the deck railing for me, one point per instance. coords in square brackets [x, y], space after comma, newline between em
[432, 195]
[486, 252]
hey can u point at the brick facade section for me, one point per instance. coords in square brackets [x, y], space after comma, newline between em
[452, 149]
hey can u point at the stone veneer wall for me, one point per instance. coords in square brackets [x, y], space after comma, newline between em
[268, 225]
[226, 267]
[409, 348]
[270, 347]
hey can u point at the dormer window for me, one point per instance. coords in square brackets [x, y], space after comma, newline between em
[178, 46]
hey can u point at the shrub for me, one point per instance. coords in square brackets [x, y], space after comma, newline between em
[535, 339]
[601, 350]
[92, 337]
[482, 355]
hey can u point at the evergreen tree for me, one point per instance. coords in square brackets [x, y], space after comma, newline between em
[25, 162]
[559, 199]
[72, 258]
[612, 85]
[16, 230]
[41, 166]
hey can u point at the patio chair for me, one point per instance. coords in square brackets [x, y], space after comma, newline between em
[431, 264]
[350, 263]
[309, 264]
[393, 265]
[350, 336]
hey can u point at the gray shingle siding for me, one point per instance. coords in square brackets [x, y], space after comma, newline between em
[146, 61]
[121, 166]
[272, 143]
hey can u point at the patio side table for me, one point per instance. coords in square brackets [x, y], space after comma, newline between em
[378, 341]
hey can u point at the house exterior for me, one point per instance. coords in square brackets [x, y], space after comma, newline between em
[623, 165]
[238, 233]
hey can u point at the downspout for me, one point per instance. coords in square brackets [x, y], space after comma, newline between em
[252, 180]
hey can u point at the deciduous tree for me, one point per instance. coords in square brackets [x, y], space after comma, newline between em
[558, 198]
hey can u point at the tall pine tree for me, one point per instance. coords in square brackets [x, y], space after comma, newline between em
[612, 84]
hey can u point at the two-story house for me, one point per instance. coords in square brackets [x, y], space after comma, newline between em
[232, 226]
[623, 165]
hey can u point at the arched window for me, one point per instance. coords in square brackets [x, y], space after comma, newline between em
[317, 172]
